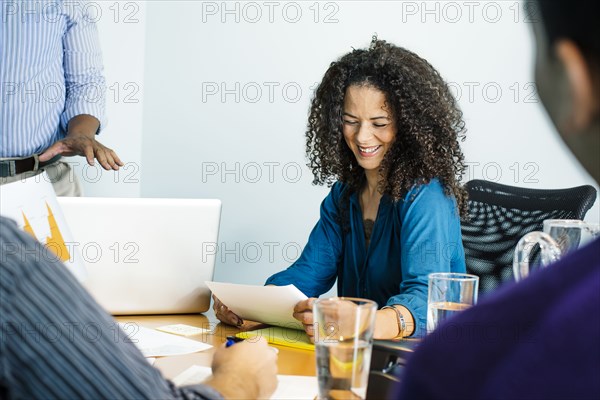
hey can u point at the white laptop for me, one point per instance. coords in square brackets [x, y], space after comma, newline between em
[146, 256]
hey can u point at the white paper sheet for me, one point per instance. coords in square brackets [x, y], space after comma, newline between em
[153, 343]
[293, 387]
[273, 305]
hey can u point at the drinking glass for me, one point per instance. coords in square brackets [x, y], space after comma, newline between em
[560, 237]
[449, 294]
[343, 339]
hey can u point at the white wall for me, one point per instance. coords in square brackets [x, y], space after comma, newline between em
[213, 128]
[122, 28]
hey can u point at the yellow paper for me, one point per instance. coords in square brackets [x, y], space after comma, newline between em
[281, 336]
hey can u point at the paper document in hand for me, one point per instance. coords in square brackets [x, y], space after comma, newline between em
[153, 343]
[292, 387]
[273, 305]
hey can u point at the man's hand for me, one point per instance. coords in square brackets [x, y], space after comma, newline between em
[246, 370]
[303, 312]
[81, 141]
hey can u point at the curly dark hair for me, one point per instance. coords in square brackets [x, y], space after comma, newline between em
[428, 121]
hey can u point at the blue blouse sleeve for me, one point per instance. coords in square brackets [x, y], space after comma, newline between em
[315, 271]
[431, 241]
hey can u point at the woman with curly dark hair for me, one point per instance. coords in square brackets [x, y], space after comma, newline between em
[384, 130]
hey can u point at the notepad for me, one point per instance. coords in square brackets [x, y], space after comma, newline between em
[281, 336]
[290, 387]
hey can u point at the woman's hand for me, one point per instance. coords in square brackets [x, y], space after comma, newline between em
[303, 313]
[224, 314]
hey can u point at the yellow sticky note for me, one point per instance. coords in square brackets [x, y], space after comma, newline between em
[281, 336]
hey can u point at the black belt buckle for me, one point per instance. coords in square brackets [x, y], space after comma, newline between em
[12, 167]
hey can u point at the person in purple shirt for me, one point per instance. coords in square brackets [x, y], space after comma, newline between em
[539, 338]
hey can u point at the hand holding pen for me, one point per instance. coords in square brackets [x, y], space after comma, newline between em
[231, 340]
[245, 362]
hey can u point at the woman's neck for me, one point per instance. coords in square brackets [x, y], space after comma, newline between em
[372, 185]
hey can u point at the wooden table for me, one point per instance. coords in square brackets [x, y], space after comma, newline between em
[291, 361]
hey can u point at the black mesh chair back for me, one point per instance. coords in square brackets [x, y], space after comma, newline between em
[500, 215]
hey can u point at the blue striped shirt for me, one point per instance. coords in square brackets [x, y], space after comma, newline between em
[56, 342]
[50, 72]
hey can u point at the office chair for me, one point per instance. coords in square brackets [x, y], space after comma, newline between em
[500, 215]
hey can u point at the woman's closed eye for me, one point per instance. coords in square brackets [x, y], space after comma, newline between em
[348, 122]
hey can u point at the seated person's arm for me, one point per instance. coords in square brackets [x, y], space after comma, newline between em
[430, 242]
[386, 321]
[315, 271]
[57, 342]
[387, 324]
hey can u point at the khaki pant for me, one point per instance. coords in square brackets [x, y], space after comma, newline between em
[60, 174]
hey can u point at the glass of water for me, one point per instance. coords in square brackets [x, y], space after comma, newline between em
[449, 294]
[570, 234]
[343, 339]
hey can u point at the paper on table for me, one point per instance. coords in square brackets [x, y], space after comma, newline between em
[182, 329]
[293, 387]
[281, 336]
[158, 344]
[273, 305]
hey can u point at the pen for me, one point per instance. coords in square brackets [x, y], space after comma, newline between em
[231, 340]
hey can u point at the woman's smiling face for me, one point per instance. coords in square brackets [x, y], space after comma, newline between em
[369, 128]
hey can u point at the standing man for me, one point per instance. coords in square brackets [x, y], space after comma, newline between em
[540, 338]
[52, 91]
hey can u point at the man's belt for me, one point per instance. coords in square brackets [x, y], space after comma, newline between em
[12, 167]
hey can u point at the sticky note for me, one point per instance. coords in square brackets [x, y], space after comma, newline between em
[281, 336]
[182, 329]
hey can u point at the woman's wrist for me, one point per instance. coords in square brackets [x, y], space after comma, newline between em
[401, 322]
[393, 322]
[386, 325]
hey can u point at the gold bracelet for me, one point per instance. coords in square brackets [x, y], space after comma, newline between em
[401, 321]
